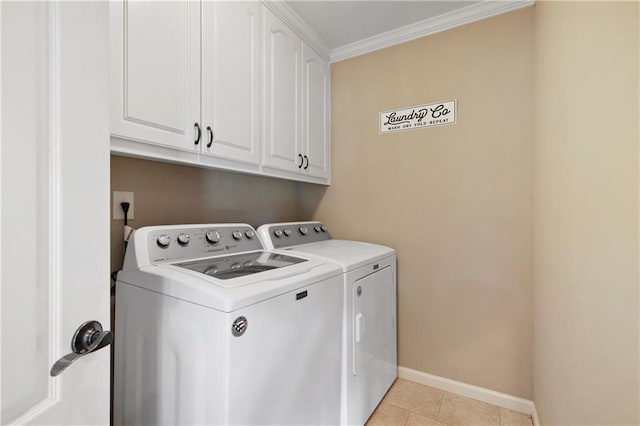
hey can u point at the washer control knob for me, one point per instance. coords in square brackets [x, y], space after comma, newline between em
[303, 230]
[278, 233]
[323, 228]
[287, 231]
[164, 240]
[316, 228]
[236, 235]
[213, 236]
[184, 239]
[249, 234]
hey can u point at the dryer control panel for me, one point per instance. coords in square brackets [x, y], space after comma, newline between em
[293, 233]
[166, 244]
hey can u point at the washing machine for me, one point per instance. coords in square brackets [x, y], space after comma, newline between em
[369, 360]
[211, 328]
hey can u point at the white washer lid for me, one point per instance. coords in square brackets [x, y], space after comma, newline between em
[348, 254]
[232, 294]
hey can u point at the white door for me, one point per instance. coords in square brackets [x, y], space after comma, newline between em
[155, 60]
[283, 50]
[231, 74]
[315, 111]
[54, 170]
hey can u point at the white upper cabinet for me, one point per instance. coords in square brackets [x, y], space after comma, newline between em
[222, 84]
[156, 72]
[231, 76]
[283, 60]
[315, 114]
[296, 104]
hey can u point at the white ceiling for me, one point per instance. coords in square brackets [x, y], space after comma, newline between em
[343, 22]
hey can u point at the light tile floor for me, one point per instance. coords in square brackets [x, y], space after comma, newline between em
[412, 404]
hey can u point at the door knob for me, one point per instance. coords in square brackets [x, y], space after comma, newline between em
[89, 337]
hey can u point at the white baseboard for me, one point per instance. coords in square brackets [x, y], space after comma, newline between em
[534, 415]
[471, 391]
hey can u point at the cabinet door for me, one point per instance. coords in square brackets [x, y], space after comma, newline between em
[315, 113]
[283, 58]
[155, 59]
[231, 54]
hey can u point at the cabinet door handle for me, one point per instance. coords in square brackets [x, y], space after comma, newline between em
[301, 161]
[210, 136]
[197, 141]
[307, 165]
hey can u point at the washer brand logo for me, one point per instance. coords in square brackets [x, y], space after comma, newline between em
[438, 114]
[376, 266]
[301, 295]
[239, 326]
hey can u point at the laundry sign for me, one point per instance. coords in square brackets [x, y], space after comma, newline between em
[417, 117]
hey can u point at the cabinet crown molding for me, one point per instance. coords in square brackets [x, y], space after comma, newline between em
[300, 27]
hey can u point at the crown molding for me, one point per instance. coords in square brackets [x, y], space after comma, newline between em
[447, 21]
[299, 26]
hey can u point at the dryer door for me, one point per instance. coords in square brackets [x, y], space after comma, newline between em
[373, 308]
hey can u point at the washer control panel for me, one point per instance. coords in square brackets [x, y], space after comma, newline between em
[178, 243]
[295, 233]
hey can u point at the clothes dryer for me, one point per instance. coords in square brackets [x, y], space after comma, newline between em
[369, 361]
[213, 329]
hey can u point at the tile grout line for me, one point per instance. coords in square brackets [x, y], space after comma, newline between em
[440, 406]
[407, 419]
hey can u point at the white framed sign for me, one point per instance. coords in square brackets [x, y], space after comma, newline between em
[418, 117]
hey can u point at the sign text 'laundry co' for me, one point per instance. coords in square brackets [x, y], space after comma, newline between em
[437, 114]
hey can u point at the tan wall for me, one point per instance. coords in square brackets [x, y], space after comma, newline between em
[170, 194]
[586, 213]
[455, 201]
